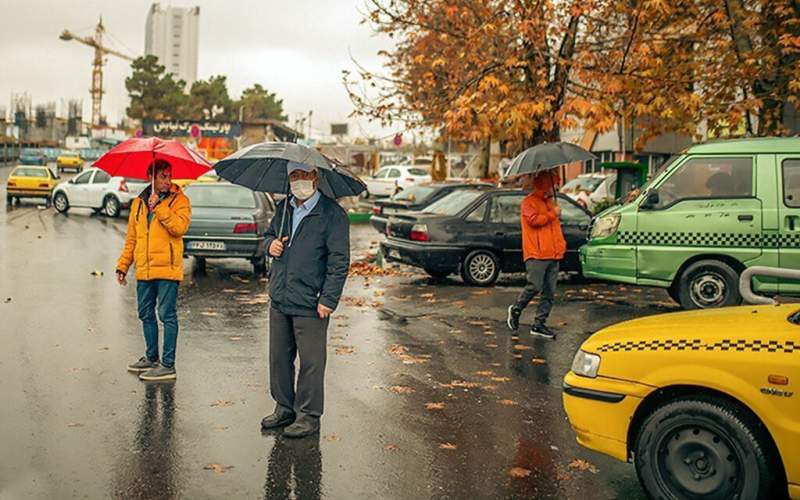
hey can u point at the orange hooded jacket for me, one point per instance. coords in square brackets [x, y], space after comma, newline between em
[542, 238]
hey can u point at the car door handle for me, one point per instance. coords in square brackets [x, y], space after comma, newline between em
[745, 217]
[791, 221]
[499, 233]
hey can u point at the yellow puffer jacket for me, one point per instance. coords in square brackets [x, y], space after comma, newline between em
[157, 250]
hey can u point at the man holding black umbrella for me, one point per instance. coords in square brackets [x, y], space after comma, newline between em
[310, 244]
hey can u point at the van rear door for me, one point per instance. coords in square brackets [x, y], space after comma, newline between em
[789, 219]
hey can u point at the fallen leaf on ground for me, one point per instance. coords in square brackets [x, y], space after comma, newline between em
[476, 323]
[507, 402]
[434, 406]
[489, 334]
[491, 346]
[496, 364]
[458, 303]
[426, 295]
[209, 313]
[236, 338]
[462, 383]
[354, 301]
[500, 379]
[485, 373]
[345, 350]
[391, 447]
[331, 437]
[220, 429]
[447, 446]
[521, 347]
[8, 299]
[221, 402]
[456, 330]
[517, 356]
[401, 389]
[538, 361]
[228, 290]
[398, 349]
[103, 348]
[583, 465]
[514, 337]
[519, 472]
[490, 387]
[75, 425]
[219, 469]
[379, 293]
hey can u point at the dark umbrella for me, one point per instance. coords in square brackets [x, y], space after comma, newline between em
[547, 156]
[262, 167]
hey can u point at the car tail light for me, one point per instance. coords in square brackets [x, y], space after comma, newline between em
[123, 186]
[376, 210]
[245, 228]
[419, 232]
[12, 183]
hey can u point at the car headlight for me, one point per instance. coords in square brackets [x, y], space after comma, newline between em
[605, 226]
[585, 364]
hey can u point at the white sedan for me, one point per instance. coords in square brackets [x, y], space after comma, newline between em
[393, 178]
[96, 189]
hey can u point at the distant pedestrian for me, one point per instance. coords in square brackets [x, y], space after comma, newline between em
[154, 243]
[543, 246]
[308, 274]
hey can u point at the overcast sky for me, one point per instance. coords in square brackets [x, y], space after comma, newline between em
[296, 49]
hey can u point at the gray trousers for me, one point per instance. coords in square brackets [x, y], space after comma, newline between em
[542, 278]
[288, 337]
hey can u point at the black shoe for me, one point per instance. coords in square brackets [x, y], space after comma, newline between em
[302, 427]
[513, 318]
[541, 330]
[279, 418]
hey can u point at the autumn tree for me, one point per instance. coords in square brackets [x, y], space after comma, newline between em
[520, 71]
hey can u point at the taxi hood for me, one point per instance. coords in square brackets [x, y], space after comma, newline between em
[697, 328]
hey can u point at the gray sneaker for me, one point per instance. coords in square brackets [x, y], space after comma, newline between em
[158, 374]
[142, 365]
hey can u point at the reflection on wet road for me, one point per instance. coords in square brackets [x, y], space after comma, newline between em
[428, 395]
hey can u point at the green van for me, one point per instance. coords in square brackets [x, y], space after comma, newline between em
[708, 213]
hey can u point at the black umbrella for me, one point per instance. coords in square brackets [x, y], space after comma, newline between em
[262, 167]
[547, 156]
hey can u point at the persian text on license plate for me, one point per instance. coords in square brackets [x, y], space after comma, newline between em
[207, 245]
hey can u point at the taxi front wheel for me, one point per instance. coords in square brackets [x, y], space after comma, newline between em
[703, 448]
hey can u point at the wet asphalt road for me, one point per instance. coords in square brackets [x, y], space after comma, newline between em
[75, 424]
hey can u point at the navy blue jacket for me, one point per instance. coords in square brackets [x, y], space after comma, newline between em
[314, 265]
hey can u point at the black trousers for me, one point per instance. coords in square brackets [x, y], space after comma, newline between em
[542, 278]
[288, 337]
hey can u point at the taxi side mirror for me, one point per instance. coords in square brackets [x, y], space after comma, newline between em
[651, 200]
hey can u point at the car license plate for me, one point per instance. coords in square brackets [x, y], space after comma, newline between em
[207, 245]
[394, 254]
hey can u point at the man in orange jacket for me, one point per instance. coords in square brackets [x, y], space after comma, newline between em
[543, 246]
[156, 225]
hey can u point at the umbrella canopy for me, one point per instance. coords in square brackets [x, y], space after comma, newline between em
[262, 167]
[132, 157]
[547, 156]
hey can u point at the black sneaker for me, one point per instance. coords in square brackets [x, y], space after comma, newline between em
[541, 330]
[159, 373]
[513, 318]
[142, 365]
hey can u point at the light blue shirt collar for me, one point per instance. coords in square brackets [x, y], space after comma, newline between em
[303, 210]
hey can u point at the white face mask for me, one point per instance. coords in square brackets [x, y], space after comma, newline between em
[302, 190]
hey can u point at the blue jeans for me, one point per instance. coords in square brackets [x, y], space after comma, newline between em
[165, 293]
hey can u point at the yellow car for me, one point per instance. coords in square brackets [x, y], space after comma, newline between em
[69, 160]
[30, 182]
[207, 177]
[706, 404]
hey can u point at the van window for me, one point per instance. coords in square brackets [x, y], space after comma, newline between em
[791, 183]
[708, 178]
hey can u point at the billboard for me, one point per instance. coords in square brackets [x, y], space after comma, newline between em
[338, 129]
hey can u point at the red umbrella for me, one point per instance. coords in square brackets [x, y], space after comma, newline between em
[131, 158]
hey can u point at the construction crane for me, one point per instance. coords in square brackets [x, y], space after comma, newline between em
[97, 68]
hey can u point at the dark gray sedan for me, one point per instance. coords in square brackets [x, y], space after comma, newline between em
[228, 221]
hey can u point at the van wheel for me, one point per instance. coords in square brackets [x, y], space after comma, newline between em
[480, 268]
[708, 283]
[703, 448]
[61, 202]
[111, 206]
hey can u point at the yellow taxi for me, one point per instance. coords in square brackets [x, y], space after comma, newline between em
[69, 160]
[706, 404]
[30, 182]
[205, 178]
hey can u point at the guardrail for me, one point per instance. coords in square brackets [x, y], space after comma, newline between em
[746, 282]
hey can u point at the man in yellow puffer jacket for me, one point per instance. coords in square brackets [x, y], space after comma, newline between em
[154, 243]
